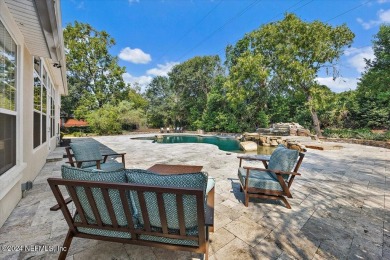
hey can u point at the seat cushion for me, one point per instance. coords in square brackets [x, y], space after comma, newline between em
[72, 173]
[86, 151]
[282, 159]
[210, 184]
[191, 180]
[108, 166]
[100, 232]
[166, 240]
[259, 179]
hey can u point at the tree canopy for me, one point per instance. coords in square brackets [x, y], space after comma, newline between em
[292, 52]
[269, 76]
[373, 91]
[94, 76]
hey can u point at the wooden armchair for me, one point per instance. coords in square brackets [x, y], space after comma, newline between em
[135, 206]
[275, 180]
[87, 155]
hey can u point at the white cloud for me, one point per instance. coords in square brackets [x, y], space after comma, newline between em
[136, 56]
[383, 1]
[383, 17]
[162, 69]
[357, 56]
[143, 81]
[339, 84]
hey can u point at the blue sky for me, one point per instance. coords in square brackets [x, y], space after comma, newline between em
[154, 35]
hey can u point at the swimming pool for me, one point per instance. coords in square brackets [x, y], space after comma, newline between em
[228, 144]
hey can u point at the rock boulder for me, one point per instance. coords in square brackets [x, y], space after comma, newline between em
[248, 146]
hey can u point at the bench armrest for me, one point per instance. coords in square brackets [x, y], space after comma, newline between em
[209, 211]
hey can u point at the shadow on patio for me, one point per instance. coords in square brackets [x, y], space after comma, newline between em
[339, 209]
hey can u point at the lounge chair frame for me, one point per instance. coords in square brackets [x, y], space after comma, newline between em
[252, 192]
[78, 164]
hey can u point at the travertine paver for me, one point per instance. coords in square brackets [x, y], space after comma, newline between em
[340, 208]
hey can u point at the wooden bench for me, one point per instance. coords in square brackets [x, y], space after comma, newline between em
[120, 224]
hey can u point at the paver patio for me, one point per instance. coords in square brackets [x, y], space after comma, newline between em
[340, 209]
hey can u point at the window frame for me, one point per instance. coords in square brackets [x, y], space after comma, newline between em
[44, 105]
[12, 176]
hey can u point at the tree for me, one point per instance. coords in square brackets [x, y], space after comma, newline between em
[219, 114]
[294, 51]
[160, 97]
[94, 76]
[191, 81]
[373, 91]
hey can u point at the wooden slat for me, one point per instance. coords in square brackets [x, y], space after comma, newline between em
[180, 213]
[201, 220]
[162, 213]
[128, 212]
[92, 203]
[109, 206]
[76, 201]
[62, 203]
[145, 214]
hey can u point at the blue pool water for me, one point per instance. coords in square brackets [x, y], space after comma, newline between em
[227, 144]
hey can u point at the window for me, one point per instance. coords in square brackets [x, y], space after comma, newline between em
[52, 108]
[41, 81]
[8, 68]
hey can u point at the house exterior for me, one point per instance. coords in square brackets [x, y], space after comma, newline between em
[32, 80]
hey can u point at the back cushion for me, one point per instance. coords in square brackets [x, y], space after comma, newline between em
[190, 180]
[282, 159]
[72, 173]
[86, 151]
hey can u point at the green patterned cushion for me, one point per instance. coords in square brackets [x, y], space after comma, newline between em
[210, 184]
[72, 173]
[100, 232]
[259, 179]
[107, 166]
[189, 232]
[192, 180]
[282, 159]
[86, 151]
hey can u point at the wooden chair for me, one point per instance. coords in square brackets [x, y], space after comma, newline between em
[273, 181]
[87, 155]
[116, 208]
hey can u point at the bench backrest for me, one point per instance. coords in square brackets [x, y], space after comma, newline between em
[108, 194]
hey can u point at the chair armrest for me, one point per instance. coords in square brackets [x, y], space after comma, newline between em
[88, 161]
[263, 158]
[276, 172]
[105, 156]
[57, 207]
[114, 154]
[78, 163]
[254, 157]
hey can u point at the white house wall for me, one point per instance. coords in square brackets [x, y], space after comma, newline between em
[29, 161]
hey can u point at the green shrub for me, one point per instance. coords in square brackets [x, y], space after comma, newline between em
[362, 133]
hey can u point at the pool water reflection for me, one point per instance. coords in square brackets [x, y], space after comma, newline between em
[227, 144]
